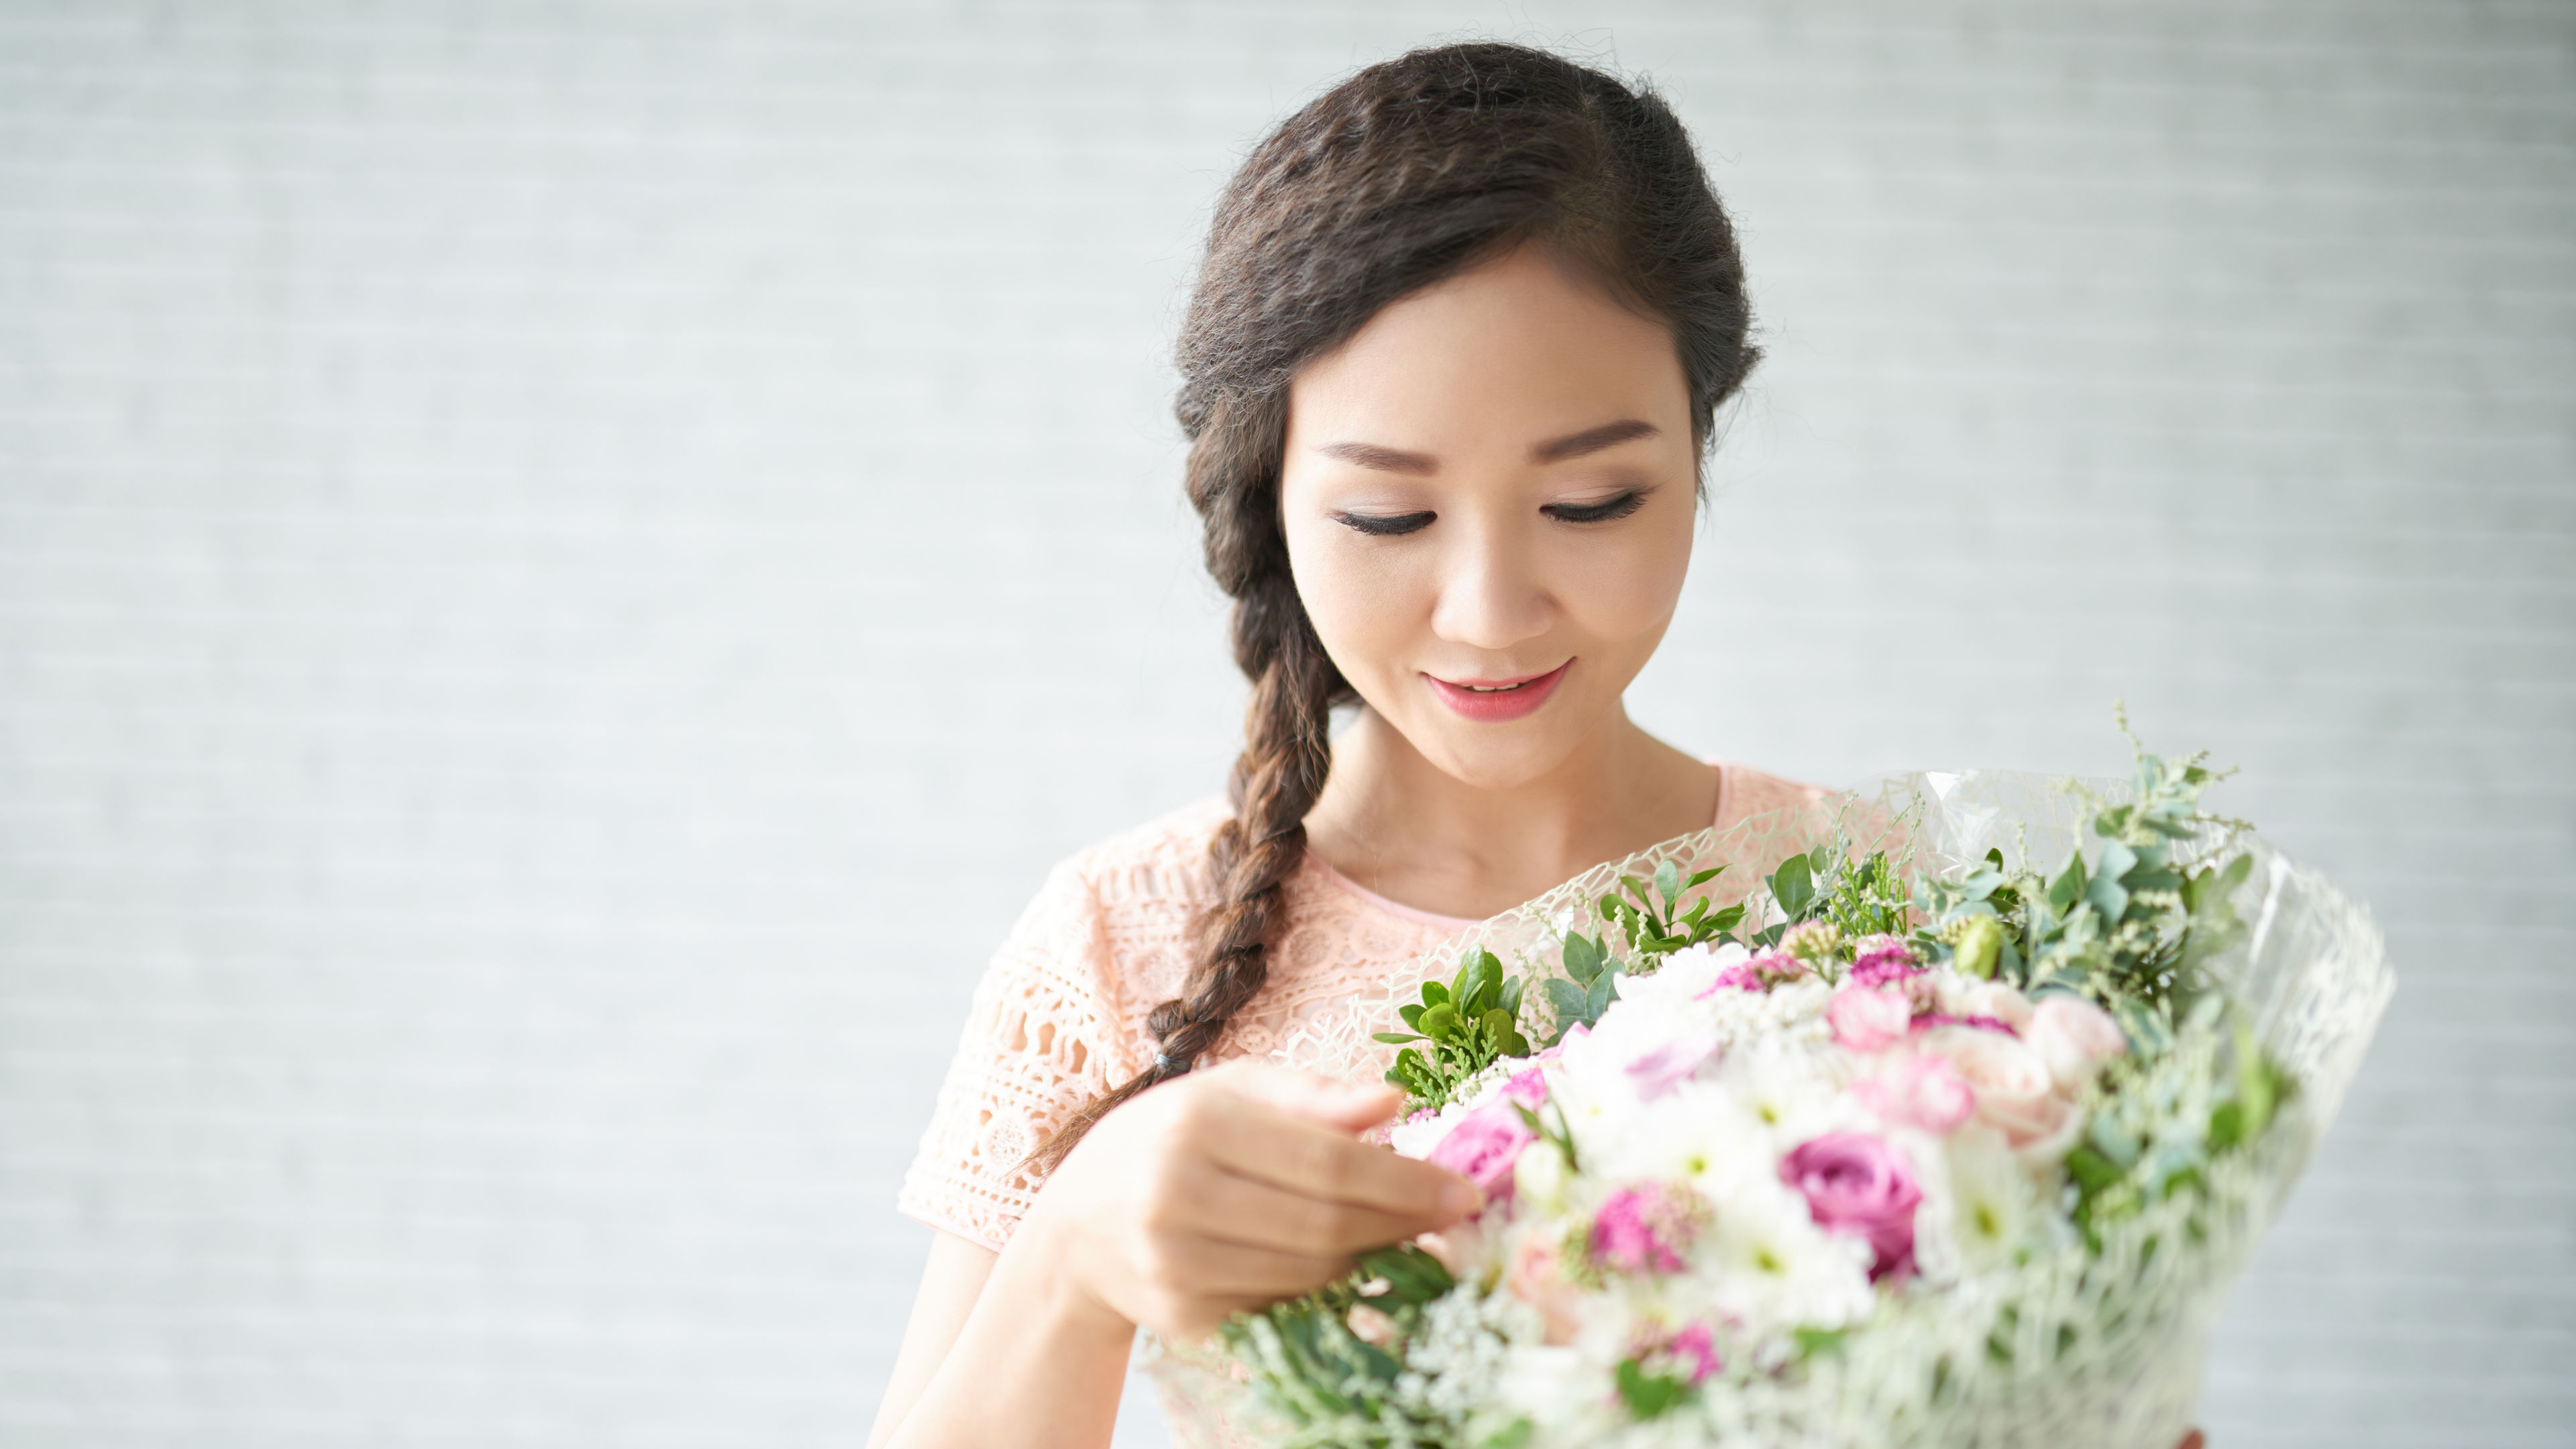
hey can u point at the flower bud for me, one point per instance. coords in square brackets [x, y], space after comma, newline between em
[1981, 941]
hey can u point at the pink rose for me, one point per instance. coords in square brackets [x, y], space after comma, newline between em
[1858, 1185]
[2075, 1038]
[1922, 1091]
[1485, 1146]
[1865, 1019]
[1996, 999]
[2015, 1093]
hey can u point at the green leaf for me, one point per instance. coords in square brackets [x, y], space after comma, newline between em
[1440, 1021]
[1597, 1000]
[1412, 1015]
[1815, 1341]
[2116, 863]
[1704, 877]
[1513, 1435]
[2254, 1086]
[2068, 888]
[1668, 883]
[1512, 998]
[2091, 1170]
[1433, 993]
[1568, 998]
[2114, 1141]
[2226, 1126]
[1793, 886]
[2109, 897]
[1583, 957]
[1395, 1038]
[1649, 1395]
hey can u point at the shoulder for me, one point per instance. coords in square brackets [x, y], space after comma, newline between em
[1745, 792]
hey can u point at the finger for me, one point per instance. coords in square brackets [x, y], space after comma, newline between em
[1346, 1106]
[1233, 1208]
[1261, 1144]
[1237, 1271]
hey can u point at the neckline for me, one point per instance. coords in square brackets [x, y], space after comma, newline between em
[1367, 897]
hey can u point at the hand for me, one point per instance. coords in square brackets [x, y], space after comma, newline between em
[1230, 1189]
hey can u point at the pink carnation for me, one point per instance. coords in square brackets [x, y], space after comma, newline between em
[1485, 1146]
[1878, 960]
[1643, 1229]
[1859, 1185]
[1738, 977]
[1528, 1086]
[1692, 1351]
[1867, 1020]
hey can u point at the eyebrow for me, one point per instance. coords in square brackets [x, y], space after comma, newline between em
[1556, 450]
[1592, 440]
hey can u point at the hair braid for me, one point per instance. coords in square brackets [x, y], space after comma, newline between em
[1405, 174]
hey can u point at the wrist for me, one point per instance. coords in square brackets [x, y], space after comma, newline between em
[1040, 1272]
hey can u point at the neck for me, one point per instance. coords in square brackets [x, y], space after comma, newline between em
[1400, 825]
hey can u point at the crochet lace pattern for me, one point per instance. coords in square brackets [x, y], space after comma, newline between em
[1060, 1015]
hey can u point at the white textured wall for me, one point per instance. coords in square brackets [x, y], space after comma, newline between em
[563, 568]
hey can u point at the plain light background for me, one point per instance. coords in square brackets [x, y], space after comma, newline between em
[565, 569]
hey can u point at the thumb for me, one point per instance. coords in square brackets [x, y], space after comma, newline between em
[1343, 1106]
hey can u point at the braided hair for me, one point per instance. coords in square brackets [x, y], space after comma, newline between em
[1408, 173]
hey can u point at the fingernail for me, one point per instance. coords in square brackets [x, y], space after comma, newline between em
[1460, 1199]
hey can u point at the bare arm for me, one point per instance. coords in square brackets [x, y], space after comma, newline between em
[950, 1283]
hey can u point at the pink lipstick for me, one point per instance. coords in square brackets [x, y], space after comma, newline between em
[1494, 701]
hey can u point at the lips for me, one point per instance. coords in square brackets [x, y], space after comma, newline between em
[1494, 701]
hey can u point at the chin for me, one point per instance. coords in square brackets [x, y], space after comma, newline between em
[1495, 757]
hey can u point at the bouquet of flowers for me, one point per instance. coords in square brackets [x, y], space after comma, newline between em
[1953, 1131]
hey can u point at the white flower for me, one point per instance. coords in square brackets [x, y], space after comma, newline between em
[1772, 1269]
[1992, 1210]
[1794, 1092]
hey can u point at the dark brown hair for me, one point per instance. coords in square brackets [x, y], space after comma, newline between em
[1407, 173]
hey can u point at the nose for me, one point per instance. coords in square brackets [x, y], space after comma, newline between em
[1491, 594]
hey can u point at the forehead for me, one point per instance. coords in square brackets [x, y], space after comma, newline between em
[1514, 351]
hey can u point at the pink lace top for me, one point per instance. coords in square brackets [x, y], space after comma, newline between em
[1060, 1016]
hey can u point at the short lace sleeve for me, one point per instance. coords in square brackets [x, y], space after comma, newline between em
[1041, 1040]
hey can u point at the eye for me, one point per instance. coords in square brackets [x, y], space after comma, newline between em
[1381, 526]
[1602, 512]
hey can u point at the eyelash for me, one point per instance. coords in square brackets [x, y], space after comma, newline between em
[1616, 508]
[1384, 527]
[1393, 525]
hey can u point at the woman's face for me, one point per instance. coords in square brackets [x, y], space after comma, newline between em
[1489, 493]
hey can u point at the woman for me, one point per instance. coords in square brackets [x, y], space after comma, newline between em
[1453, 359]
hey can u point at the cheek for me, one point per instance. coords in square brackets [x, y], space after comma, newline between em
[1621, 593]
[1363, 601]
